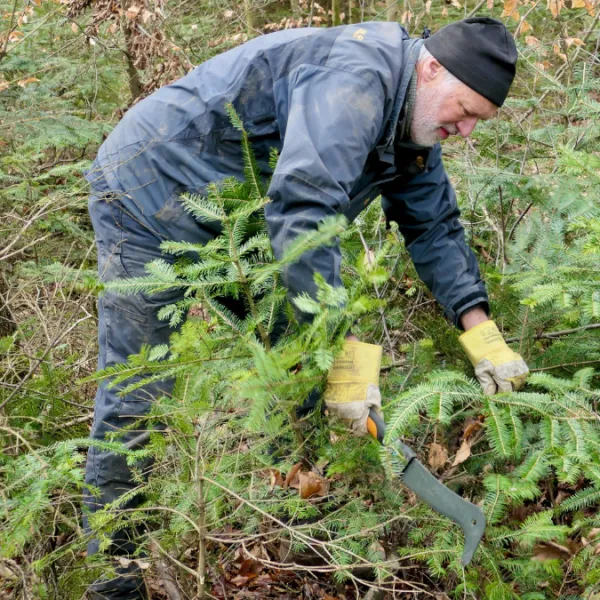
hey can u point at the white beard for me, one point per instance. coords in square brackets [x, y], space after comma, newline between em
[424, 127]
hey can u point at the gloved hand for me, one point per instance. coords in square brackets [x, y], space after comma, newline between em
[497, 367]
[353, 385]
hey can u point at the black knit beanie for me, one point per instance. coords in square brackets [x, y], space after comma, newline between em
[480, 52]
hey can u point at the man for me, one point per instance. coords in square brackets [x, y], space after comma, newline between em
[355, 112]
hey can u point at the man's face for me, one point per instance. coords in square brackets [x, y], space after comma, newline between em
[445, 106]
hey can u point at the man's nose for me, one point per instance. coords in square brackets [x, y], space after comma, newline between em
[466, 126]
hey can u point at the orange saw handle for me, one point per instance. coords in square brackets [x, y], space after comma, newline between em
[376, 425]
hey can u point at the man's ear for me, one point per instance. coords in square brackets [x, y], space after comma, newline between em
[431, 70]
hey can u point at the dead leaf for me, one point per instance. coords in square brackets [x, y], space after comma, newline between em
[250, 568]
[463, 453]
[15, 35]
[312, 484]
[444, 12]
[570, 41]
[490, 4]
[240, 580]
[258, 552]
[147, 16]
[555, 6]
[228, 14]
[525, 27]
[550, 551]
[113, 28]
[4, 85]
[291, 479]
[531, 40]
[472, 426]
[590, 7]
[24, 82]
[276, 478]
[578, 4]
[438, 456]
[456, 4]
[509, 8]
[428, 7]
[133, 11]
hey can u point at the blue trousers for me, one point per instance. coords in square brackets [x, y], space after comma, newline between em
[125, 323]
[126, 240]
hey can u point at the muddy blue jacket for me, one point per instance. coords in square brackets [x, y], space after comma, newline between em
[329, 100]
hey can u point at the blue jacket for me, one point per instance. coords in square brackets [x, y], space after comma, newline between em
[329, 100]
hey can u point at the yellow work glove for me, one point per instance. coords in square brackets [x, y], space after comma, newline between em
[497, 367]
[353, 385]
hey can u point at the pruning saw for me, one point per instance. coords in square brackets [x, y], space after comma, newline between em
[431, 491]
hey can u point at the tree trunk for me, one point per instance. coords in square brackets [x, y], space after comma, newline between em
[135, 85]
[249, 18]
[391, 10]
[335, 12]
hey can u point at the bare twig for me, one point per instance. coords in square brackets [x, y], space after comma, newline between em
[476, 8]
[556, 334]
[166, 576]
[512, 229]
[573, 364]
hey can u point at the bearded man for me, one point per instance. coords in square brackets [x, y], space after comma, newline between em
[356, 112]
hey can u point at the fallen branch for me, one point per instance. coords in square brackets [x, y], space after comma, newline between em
[573, 364]
[555, 334]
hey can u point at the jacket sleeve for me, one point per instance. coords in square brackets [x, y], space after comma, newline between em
[334, 120]
[427, 214]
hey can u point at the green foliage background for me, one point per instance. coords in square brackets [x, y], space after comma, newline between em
[528, 186]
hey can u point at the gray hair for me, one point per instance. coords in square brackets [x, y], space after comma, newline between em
[424, 54]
